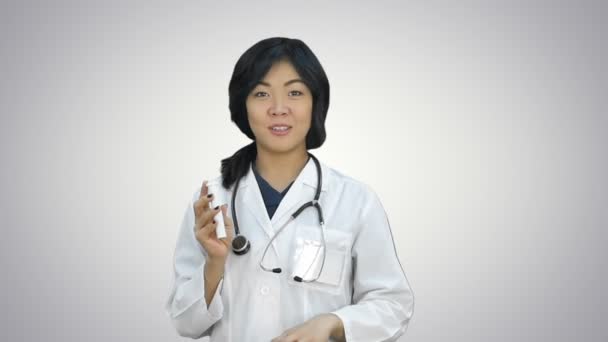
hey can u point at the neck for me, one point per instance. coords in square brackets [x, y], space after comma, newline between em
[279, 170]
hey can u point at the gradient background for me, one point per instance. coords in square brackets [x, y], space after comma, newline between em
[481, 125]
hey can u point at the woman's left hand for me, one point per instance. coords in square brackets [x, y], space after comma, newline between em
[316, 329]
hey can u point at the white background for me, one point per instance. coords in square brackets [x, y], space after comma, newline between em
[482, 127]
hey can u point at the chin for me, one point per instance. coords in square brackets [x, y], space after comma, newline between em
[275, 147]
[279, 150]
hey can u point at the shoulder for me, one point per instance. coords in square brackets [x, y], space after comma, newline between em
[346, 185]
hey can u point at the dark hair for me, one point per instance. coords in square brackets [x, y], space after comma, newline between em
[251, 68]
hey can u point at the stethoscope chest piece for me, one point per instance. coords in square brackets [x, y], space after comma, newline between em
[240, 245]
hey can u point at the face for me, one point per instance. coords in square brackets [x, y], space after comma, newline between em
[280, 100]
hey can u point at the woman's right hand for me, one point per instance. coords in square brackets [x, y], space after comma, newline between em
[204, 227]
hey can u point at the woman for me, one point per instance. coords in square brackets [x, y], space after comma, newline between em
[330, 272]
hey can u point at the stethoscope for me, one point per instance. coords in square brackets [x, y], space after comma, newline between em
[241, 245]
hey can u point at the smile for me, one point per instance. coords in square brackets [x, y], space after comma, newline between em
[280, 130]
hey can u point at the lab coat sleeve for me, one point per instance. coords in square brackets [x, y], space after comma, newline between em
[383, 302]
[186, 305]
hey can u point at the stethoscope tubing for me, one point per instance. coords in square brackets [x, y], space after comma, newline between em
[243, 244]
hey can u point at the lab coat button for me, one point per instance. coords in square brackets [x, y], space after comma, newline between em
[264, 290]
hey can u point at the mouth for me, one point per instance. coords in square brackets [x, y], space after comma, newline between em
[280, 130]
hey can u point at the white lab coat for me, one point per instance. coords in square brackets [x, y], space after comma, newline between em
[364, 283]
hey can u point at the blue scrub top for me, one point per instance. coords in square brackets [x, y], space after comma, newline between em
[271, 197]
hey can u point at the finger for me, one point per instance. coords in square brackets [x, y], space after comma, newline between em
[292, 337]
[207, 216]
[202, 205]
[228, 224]
[278, 338]
[204, 189]
[205, 231]
[284, 337]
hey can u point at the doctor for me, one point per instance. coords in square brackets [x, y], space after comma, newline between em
[329, 271]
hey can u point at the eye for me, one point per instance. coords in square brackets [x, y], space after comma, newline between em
[260, 94]
[297, 92]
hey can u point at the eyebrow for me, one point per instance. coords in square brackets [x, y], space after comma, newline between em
[286, 83]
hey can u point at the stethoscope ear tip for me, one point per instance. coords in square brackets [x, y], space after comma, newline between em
[298, 279]
[276, 270]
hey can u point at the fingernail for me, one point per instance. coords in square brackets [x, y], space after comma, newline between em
[210, 195]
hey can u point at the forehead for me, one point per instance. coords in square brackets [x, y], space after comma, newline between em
[282, 70]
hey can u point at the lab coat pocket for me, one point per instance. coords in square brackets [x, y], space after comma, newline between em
[309, 270]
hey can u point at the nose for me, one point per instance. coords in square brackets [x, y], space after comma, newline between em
[278, 106]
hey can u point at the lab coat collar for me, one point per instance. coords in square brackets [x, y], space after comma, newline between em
[307, 176]
[302, 190]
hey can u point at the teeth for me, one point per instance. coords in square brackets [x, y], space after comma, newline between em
[280, 128]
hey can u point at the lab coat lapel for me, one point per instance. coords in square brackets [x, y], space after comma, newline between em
[302, 190]
[253, 201]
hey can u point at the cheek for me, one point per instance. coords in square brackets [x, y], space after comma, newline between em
[303, 112]
[255, 114]
[305, 117]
